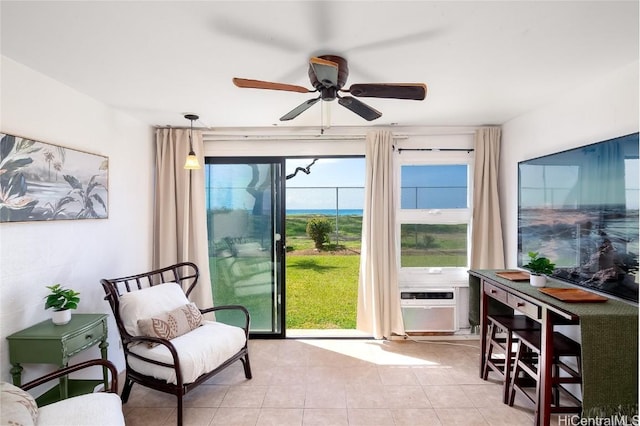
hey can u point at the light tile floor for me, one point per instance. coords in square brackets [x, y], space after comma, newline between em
[342, 382]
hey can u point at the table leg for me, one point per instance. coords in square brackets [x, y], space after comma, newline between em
[484, 303]
[64, 380]
[105, 371]
[64, 385]
[546, 363]
[16, 374]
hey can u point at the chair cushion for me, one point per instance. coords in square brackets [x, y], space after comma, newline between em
[94, 409]
[149, 302]
[169, 325]
[200, 351]
[17, 406]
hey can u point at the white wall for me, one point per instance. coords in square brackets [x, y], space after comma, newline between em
[602, 110]
[75, 253]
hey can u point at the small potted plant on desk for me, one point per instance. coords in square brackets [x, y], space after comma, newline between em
[62, 300]
[539, 267]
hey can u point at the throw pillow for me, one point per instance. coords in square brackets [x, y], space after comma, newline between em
[18, 406]
[149, 302]
[172, 324]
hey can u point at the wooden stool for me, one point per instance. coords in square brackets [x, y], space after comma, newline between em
[503, 346]
[527, 355]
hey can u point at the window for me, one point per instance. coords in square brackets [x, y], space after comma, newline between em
[434, 186]
[434, 216]
[425, 245]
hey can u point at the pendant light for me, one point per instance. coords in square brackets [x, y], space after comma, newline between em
[192, 161]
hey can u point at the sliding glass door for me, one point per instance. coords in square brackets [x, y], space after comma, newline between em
[245, 224]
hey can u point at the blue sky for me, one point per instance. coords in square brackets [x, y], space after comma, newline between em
[326, 173]
[434, 186]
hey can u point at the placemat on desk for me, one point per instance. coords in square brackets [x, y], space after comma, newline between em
[514, 275]
[573, 295]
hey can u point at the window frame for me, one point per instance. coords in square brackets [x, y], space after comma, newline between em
[434, 275]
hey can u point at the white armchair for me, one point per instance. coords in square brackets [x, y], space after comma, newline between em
[93, 409]
[168, 345]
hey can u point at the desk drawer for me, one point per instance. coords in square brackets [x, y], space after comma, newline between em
[495, 292]
[85, 339]
[529, 309]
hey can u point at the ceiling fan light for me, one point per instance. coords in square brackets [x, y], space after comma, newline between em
[192, 162]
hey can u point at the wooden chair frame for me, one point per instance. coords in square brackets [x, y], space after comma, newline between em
[113, 383]
[186, 274]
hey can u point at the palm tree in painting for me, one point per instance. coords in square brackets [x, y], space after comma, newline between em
[48, 157]
[57, 166]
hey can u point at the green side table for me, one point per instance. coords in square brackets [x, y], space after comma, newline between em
[47, 343]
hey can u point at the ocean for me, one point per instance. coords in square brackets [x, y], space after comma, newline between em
[325, 212]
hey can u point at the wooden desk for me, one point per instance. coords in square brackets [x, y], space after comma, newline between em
[47, 343]
[609, 340]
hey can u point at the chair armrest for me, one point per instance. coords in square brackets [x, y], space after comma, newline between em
[241, 308]
[70, 369]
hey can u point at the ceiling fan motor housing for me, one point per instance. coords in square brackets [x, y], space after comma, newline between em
[343, 73]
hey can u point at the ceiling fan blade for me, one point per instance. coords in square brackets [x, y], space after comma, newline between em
[415, 91]
[256, 33]
[360, 108]
[259, 84]
[299, 109]
[326, 71]
[398, 41]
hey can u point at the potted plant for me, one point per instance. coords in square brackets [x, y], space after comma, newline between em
[62, 301]
[540, 267]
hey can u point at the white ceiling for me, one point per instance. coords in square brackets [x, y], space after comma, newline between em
[485, 62]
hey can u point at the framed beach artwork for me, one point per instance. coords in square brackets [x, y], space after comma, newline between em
[40, 181]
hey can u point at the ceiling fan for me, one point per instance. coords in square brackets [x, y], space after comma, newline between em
[328, 75]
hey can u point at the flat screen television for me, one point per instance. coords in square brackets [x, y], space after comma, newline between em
[579, 208]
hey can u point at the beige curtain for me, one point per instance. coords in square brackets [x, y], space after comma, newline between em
[487, 250]
[378, 296]
[180, 223]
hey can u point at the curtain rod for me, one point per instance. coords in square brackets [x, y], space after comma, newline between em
[209, 137]
[468, 150]
[224, 138]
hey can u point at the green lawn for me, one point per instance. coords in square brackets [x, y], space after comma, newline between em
[322, 291]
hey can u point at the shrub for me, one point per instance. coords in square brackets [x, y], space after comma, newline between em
[318, 229]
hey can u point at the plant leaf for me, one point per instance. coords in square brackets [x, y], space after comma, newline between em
[75, 183]
[6, 145]
[99, 200]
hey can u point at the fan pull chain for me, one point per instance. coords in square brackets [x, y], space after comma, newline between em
[322, 117]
